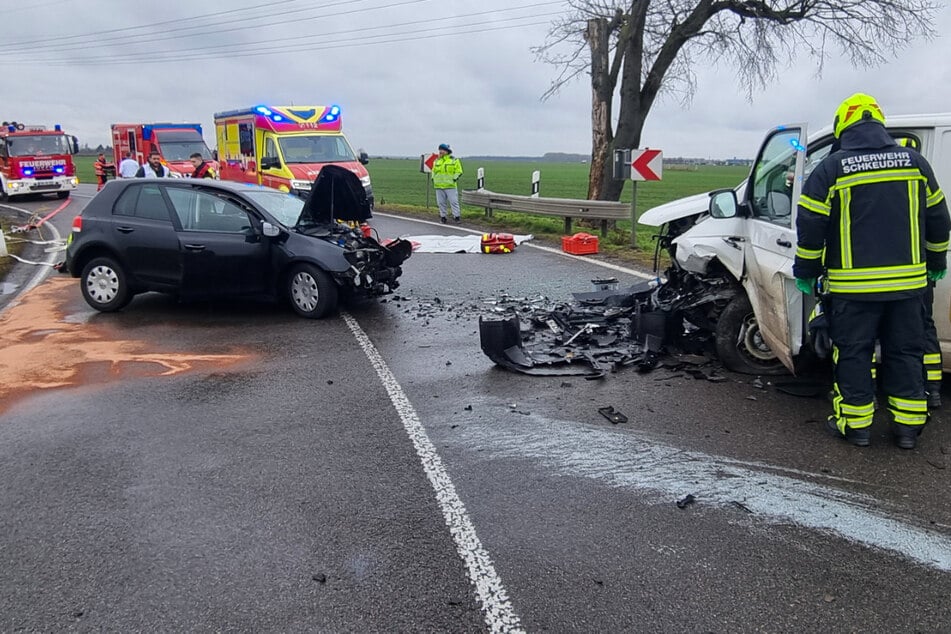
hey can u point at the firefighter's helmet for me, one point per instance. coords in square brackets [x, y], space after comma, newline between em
[859, 107]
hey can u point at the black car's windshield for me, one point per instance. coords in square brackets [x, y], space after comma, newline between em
[316, 149]
[41, 144]
[285, 208]
[179, 145]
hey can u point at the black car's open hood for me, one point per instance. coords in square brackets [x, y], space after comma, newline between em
[337, 194]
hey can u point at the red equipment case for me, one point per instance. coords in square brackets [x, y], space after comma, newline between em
[498, 243]
[579, 244]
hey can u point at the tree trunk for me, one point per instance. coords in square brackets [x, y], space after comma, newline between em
[602, 89]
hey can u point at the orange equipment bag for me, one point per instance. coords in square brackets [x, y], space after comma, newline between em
[498, 243]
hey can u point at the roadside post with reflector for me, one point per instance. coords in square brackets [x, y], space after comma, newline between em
[480, 179]
[426, 167]
[536, 183]
[643, 164]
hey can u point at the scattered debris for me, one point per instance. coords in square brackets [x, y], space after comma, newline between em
[758, 383]
[686, 501]
[751, 398]
[741, 506]
[612, 415]
[319, 578]
[828, 598]
[937, 465]
[468, 408]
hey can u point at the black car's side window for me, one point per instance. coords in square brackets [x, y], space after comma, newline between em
[200, 211]
[142, 201]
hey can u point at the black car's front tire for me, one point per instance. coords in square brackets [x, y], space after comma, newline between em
[312, 293]
[105, 286]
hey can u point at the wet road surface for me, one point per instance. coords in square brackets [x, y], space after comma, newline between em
[233, 467]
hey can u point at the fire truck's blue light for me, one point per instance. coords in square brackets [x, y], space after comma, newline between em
[278, 117]
[264, 110]
[11, 128]
[59, 170]
[58, 127]
[28, 171]
[335, 110]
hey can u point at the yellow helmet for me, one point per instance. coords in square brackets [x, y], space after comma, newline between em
[856, 108]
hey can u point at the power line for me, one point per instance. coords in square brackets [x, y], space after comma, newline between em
[254, 47]
[305, 48]
[255, 23]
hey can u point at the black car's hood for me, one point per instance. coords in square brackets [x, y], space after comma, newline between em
[337, 194]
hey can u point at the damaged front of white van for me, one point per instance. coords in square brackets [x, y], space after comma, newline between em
[745, 237]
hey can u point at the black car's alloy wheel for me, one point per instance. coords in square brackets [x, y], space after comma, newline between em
[311, 291]
[104, 285]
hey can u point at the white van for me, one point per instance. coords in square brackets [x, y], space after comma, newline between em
[746, 238]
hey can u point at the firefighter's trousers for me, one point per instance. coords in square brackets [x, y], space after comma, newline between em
[899, 326]
[932, 348]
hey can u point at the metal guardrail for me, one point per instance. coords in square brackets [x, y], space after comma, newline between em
[567, 208]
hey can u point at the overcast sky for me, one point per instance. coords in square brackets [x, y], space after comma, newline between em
[89, 63]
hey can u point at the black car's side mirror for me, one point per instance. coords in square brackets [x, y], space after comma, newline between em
[270, 230]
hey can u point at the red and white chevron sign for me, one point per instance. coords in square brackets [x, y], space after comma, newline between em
[646, 165]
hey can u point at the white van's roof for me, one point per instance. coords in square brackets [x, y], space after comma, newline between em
[933, 120]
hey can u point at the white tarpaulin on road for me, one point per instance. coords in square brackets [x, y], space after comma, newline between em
[453, 244]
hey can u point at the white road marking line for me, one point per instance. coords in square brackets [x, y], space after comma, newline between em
[607, 265]
[637, 462]
[498, 611]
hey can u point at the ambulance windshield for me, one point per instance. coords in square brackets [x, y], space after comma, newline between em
[37, 145]
[316, 149]
[179, 145]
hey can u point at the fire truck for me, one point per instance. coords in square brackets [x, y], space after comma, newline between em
[36, 160]
[175, 143]
[285, 147]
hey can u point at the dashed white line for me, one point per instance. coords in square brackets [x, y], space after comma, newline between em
[496, 607]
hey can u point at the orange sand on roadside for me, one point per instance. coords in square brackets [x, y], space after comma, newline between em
[40, 350]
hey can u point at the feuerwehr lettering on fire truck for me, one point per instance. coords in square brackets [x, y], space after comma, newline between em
[42, 164]
[876, 161]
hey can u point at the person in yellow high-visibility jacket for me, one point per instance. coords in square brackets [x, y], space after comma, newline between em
[447, 170]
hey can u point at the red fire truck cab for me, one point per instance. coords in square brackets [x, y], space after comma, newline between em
[175, 143]
[36, 160]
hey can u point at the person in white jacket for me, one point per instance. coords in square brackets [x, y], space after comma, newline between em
[154, 168]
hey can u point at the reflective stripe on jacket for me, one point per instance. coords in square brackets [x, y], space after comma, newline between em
[446, 171]
[872, 217]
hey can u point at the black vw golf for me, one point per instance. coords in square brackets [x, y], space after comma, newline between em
[203, 238]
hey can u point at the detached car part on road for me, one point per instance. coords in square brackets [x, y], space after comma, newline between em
[212, 239]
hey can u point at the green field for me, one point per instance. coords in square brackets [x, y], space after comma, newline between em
[399, 186]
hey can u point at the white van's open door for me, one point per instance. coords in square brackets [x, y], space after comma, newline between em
[772, 192]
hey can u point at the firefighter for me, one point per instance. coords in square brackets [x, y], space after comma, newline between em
[202, 168]
[101, 166]
[873, 221]
[446, 172]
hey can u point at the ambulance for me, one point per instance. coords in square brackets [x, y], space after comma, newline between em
[175, 143]
[36, 160]
[285, 147]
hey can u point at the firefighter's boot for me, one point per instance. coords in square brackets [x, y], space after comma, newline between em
[933, 390]
[906, 436]
[861, 437]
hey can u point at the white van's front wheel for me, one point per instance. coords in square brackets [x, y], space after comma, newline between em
[740, 343]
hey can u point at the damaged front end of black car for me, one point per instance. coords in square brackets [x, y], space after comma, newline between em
[336, 210]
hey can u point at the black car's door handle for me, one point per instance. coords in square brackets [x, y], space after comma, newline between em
[195, 247]
[124, 229]
[783, 243]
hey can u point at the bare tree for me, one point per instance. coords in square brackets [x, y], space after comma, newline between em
[635, 50]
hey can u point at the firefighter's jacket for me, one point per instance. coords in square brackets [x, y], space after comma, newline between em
[872, 218]
[446, 171]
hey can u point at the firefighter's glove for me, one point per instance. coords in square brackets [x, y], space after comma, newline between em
[934, 276]
[806, 285]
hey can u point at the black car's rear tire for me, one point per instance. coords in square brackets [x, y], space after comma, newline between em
[740, 344]
[312, 293]
[105, 285]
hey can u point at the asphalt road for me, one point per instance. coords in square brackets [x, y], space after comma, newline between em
[222, 467]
